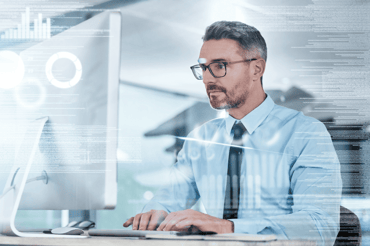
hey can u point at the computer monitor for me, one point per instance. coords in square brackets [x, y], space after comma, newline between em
[72, 79]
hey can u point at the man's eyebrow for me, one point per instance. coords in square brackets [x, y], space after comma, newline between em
[217, 60]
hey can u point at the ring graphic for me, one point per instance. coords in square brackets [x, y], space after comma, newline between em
[69, 56]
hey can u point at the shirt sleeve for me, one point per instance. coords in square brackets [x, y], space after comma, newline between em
[181, 192]
[316, 188]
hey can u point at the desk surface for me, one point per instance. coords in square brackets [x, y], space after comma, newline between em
[107, 241]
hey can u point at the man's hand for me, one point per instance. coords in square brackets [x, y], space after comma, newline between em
[146, 221]
[182, 220]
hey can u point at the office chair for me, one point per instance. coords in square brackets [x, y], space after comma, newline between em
[350, 229]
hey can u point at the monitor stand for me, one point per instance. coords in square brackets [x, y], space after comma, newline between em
[9, 202]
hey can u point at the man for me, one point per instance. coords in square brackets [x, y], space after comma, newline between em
[286, 179]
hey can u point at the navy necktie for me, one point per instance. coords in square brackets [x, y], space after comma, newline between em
[232, 192]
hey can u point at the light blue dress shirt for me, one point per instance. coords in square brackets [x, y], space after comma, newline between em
[290, 175]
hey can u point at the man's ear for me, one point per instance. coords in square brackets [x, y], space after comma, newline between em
[259, 68]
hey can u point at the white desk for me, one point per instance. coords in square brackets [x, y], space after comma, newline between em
[107, 241]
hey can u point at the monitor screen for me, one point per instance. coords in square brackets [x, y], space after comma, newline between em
[72, 78]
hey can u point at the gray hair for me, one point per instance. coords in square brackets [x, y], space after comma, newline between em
[248, 37]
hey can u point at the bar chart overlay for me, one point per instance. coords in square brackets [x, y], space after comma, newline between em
[40, 29]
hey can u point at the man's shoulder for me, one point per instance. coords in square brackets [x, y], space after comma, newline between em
[287, 115]
[209, 127]
[213, 124]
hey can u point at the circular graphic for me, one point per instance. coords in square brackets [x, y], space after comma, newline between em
[31, 94]
[11, 69]
[194, 154]
[210, 154]
[69, 56]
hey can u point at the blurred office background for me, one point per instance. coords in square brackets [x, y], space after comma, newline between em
[318, 63]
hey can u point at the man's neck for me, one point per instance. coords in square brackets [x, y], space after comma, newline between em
[251, 103]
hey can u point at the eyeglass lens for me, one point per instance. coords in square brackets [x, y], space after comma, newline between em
[198, 72]
[217, 69]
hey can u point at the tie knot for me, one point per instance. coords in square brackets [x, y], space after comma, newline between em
[239, 130]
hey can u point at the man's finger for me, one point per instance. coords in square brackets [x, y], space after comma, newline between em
[156, 219]
[128, 222]
[170, 225]
[144, 220]
[173, 225]
[164, 223]
[184, 224]
[136, 222]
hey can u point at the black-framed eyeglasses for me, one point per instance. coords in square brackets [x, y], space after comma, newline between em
[217, 69]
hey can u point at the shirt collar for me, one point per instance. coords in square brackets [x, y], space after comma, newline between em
[252, 120]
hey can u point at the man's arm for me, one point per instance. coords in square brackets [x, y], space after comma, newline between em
[181, 193]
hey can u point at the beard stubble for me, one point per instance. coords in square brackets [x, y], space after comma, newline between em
[230, 100]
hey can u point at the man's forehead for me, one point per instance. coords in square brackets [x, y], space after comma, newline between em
[223, 49]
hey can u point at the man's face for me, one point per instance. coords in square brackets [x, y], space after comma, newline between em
[232, 90]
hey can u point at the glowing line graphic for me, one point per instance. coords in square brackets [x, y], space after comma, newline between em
[230, 145]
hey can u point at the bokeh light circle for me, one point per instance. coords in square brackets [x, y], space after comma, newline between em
[11, 69]
[54, 81]
[148, 195]
[24, 93]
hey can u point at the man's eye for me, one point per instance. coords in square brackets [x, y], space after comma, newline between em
[219, 66]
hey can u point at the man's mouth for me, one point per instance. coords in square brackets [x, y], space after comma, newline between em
[214, 92]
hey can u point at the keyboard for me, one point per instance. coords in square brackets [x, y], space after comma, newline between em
[126, 233]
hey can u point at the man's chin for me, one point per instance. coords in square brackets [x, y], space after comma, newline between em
[219, 105]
